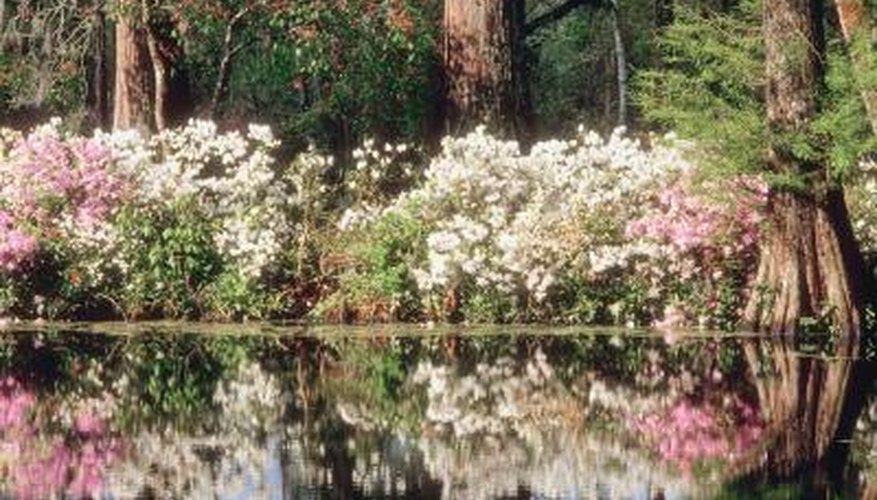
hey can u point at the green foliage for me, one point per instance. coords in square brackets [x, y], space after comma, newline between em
[232, 297]
[171, 259]
[378, 284]
[708, 87]
[573, 73]
[170, 379]
[488, 305]
[334, 73]
[843, 125]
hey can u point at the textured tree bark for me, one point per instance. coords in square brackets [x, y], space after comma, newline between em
[131, 108]
[803, 400]
[810, 264]
[859, 35]
[482, 75]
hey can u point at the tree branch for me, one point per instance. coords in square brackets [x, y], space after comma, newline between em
[557, 13]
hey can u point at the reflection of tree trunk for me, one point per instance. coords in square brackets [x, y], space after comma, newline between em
[802, 400]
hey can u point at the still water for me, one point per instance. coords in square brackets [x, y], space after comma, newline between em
[454, 416]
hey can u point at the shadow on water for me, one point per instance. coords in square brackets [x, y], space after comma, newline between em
[530, 415]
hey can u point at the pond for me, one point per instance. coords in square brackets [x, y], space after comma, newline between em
[405, 413]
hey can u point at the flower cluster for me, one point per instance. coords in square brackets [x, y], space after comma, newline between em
[53, 188]
[72, 200]
[514, 220]
[520, 222]
[231, 176]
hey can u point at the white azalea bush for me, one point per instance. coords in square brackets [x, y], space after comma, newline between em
[588, 229]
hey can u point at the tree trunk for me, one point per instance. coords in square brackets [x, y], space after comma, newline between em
[131, 97]
[810, 264]
[228, 52]
[98, 91]
[159, 71]
[859, 35]
[620, 65]
[481, 55]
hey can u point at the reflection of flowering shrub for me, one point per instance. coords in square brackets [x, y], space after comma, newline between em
[687, 434]
[37, 465]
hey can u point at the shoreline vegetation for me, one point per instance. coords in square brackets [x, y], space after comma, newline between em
[199, 224]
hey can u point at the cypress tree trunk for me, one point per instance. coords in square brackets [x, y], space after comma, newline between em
[131, 96]
[810, 263]
[482, 66]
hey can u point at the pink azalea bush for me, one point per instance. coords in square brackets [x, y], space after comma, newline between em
[52, 187]
[692, 222]
[709, 234]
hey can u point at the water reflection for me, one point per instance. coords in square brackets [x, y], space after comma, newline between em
[573, 416]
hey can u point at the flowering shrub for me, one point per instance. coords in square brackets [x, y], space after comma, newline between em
[52, 188]
[502, 224]
[145, 225]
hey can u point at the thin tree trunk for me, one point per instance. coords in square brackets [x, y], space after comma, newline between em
[44, 72]
[810, 264]
[228, 53]
[620, 65]
[2, 25]
[131, 89]
[859, 34]
[159, 71]
[99, 77]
